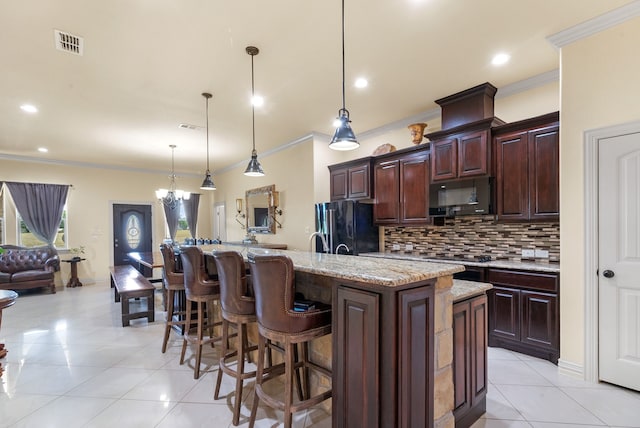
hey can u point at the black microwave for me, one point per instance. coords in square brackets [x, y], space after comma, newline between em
[464, 197]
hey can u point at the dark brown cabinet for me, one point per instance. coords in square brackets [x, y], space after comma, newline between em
[469, 360]
[383, 357]
[528, 169]
[401, 183]
[352, 180]
[524, 312]
[461, 156]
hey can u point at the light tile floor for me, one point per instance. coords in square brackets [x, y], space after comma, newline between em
[72, 364]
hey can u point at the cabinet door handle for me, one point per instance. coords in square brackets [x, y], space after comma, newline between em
[608, 273]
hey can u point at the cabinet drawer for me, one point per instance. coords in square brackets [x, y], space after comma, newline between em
[531, 280]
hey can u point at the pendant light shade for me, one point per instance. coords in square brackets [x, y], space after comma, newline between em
[344, 137]
[207, 183]
[254, 169]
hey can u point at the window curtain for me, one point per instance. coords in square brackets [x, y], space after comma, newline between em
[172, 215]
[191, 212]
[40, 206]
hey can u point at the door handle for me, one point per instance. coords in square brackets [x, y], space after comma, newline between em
[608, 273]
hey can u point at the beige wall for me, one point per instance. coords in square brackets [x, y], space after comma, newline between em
[89, 207]
[292, 172]
[599, 87]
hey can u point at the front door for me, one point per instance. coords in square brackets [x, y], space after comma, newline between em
[619, 260]
[131, 232]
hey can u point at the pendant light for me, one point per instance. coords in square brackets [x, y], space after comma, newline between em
[344, 138]
[254, 169]
[207, 183]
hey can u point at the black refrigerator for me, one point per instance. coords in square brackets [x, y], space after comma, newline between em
[347, 227]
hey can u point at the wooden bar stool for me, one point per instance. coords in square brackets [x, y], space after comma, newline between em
[204, 291]
[273, 285]
[238, 310]
[172, 281]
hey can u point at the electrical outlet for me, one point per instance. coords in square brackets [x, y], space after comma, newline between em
[395, 247]
[307, 230]
[528, 253]
[542, 254]
[408, 247]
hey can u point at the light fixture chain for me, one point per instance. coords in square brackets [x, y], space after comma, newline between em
[253, 108]
[343, 60]
[207, 111]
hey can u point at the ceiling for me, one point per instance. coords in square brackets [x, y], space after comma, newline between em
[146, 62]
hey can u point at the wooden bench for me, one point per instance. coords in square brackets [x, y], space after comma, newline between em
[128, 283]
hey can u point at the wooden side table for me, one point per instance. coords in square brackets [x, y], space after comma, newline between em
[73, 279]
[7, 298]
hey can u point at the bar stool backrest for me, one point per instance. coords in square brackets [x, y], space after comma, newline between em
[234, 292]
[273, 280]
[170, 277]
[196, 281]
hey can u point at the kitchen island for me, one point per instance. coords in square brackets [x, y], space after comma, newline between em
[392, 337]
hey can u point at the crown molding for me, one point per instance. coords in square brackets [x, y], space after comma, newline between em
[310, 136]
[92, 165]
[530, 83]
[402, 123]
[595, 25]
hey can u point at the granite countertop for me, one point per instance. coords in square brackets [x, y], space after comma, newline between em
[463, 289]
[504, 264]
[384, 272]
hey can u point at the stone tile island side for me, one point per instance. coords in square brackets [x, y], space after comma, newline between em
[391, 349]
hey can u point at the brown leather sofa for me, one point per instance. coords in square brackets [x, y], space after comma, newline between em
[22, 268]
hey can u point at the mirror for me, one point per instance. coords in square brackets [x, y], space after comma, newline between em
[260, 210]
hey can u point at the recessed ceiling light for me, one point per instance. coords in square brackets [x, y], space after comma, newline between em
[361, 82]
[29, 108]
[257, 101]
[43, 149]
[500, 59]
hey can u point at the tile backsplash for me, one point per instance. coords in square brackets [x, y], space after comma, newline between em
[471, 236]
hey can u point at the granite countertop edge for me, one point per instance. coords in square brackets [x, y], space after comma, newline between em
[463, 289]
[381, 272]
[505, 264]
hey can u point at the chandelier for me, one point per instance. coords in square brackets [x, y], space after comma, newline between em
[171, 196]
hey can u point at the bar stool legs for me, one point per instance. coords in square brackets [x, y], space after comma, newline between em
[242, 350]
[291, 368]
[202, 324]
[170, 322]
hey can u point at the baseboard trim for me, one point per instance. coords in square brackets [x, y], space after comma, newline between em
[571, 369]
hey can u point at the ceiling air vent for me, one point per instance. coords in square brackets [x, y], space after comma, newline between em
[187, 126]
[68, 42]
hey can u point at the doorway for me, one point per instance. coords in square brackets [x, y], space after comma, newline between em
[613, 255]
[131, 232]
[219, 222]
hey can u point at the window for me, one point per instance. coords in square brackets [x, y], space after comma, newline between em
[28, 239]
[182, 232]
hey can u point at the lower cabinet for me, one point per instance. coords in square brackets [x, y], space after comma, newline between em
[524, 312]
[469, 360]
[383, 358]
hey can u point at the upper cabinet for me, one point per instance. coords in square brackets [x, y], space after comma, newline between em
[352, 180]
[401, 182]
[463, 155]
[461, 149]
[528, 169]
